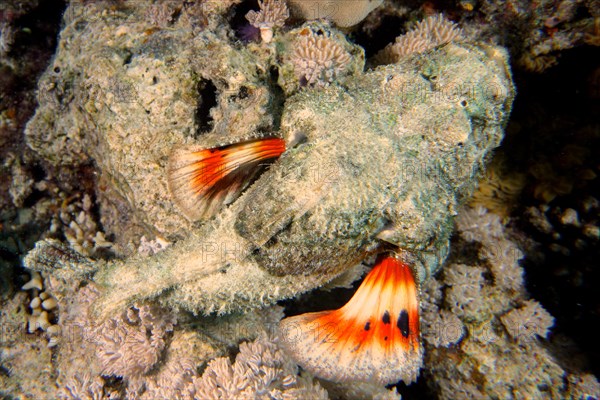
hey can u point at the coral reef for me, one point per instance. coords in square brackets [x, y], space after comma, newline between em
[479, 313]
[130, 81]
[143, 352]
[228, 264]
[156, 85]
[542, 32]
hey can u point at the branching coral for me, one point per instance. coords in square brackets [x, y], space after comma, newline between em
[479, 310]
[427, 34]
[525, 322]
[272, 14]
[261, 370]
[317, 54]
[79, 226]
[438, 29]
[43, 309]
[131, 344]
[317, 59]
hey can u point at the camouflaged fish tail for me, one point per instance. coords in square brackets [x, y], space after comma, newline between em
[385, 162]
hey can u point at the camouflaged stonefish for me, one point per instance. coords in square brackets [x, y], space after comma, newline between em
[380, 164]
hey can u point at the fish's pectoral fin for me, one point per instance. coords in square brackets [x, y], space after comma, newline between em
[373, 338]
[202, 180]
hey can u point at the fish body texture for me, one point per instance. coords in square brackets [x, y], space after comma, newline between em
[383, 161]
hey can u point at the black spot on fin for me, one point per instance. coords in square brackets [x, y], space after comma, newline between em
[403, 323]
[386, 317]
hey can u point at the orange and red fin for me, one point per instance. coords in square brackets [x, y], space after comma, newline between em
[202, 180]
[373, 338]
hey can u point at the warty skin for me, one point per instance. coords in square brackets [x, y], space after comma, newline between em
[382, 163]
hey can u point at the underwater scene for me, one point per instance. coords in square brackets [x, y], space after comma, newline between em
[299, 199]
